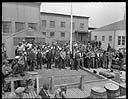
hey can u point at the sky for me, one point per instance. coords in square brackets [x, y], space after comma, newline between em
[100, 13]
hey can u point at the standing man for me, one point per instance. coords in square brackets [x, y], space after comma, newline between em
[39, 58]
[48, 58]
[105, 59]
[77, 60]
[57, 58]
[62, 55]
[121, 59]
[32, 57]
[71, 61]
[110, 60]
[93, 59]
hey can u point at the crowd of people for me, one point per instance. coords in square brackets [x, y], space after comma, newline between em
[30, 56]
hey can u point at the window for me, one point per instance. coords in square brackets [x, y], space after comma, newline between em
[43, 23]
[62, 24]
[44, 33]
[6, 27]
[123, 40]
[52, 24]
[95, 37]
[62, 34]
[119, 40]
[32, 25]
[81, 25]
[52, 34]
[19, 26]
[73, 25]
[110, 38]
[103, 38]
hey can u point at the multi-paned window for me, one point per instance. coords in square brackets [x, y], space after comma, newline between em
[62, 34]
[95, 37]
[110, 38]
[44, 23]
[81, 25]
[123, 40]
[52, 34]
[52, 24]
[6, 27]
[103, 38]
[62, 24]
[32, 25]
[73, 25]
[119, 40]
[44, 33]
[19, 26]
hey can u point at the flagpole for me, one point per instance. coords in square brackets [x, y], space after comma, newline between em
[71, 31]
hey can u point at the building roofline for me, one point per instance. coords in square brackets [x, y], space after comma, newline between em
[92, 28]
[114, 26]
[63, 14]
[33, 3]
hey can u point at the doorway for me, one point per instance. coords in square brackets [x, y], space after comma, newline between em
[30, 39]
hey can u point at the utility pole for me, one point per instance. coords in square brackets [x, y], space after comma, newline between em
[71, 31]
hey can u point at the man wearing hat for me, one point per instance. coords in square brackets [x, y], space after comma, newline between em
[77, 60]
[32, 58]
[62, 58]
[48, 58]
[39, 58]
[25, 61]
[57, 58]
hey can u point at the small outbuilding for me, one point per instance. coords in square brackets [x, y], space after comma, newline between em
[27, 34]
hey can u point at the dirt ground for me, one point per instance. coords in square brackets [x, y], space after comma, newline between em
[63, 76]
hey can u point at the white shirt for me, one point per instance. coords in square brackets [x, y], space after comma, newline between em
[29, 45]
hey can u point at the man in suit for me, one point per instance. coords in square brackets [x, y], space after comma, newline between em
[57, 58]
[105, 59]
[48, 58]
[62, 58]
[32, 58]
[77, 60]
[39, 58]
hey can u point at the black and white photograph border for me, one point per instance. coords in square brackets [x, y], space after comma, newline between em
[63, 49]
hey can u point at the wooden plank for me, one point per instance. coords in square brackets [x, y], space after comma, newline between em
[27, 95]
[34, 93]
[24, 96]
[31, 95]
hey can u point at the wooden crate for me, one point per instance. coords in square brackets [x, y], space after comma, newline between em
[31, 94]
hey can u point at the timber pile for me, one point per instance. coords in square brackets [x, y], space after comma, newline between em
[31, 94]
